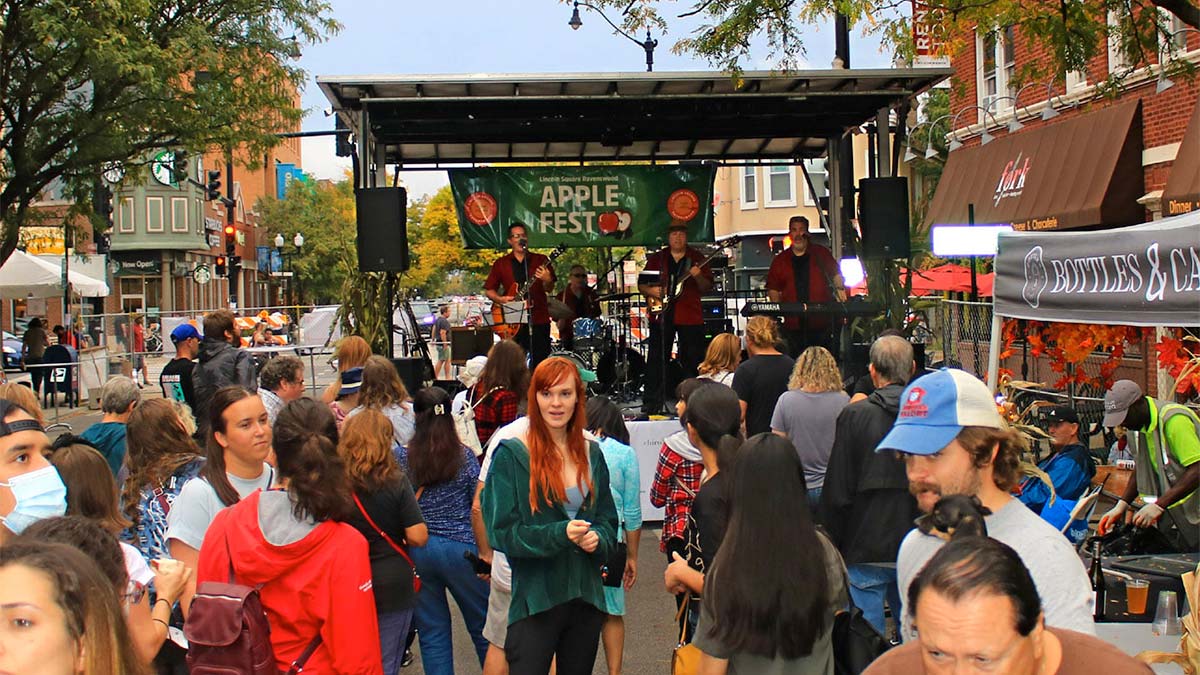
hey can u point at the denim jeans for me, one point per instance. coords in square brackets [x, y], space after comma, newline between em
[443, 568]
[393, 636]
[870, 585]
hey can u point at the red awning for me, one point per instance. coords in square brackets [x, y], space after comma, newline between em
[947, 278]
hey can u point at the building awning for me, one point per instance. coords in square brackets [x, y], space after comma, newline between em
[1182, 192]
[422, 120]
[1082, 172]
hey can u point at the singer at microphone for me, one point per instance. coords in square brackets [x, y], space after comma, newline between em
[510, 274]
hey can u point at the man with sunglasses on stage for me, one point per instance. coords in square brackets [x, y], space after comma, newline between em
[580, 302]
[806, 272]
[508, 275]
[682, 317]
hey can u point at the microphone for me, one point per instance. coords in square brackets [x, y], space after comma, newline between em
[524, 242]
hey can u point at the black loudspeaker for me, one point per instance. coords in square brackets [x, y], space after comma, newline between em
[413, 372]
[382, 229]
[466, 342]
[883, 216]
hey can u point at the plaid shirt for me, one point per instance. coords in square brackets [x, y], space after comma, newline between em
[675, 495]
[493, 412]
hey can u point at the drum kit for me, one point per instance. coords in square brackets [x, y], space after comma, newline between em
[607, 346]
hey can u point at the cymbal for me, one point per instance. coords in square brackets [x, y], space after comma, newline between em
[558, 309]
[615, 296]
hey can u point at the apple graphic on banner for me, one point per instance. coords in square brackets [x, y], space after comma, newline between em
[608, 223]
[624, 220]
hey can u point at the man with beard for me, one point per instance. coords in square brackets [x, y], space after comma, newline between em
[954, 441]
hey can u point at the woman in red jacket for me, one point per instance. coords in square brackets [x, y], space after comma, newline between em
[314, 570]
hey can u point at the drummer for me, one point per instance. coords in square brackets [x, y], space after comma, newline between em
[579, 302]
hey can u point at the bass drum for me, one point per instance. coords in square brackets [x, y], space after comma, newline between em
[619, 367]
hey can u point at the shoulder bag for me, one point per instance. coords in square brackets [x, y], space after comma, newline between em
[391, 542]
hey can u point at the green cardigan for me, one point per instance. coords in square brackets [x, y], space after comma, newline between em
[547, 568]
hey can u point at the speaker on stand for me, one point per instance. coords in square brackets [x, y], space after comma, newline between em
[883, 216]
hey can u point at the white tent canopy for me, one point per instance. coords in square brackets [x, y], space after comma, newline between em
[26, 276]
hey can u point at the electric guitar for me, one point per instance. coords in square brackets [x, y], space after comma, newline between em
[656, 306]
[507, 331]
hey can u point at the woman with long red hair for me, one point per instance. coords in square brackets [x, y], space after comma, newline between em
[548, 506]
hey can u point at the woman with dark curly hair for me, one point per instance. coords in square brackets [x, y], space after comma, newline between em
[312, 570]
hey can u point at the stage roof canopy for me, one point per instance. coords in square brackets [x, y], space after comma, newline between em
[572, 117]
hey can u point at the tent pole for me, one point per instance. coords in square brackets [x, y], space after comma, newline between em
[993, 367]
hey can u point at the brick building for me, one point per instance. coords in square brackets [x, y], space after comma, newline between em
[1064, 155]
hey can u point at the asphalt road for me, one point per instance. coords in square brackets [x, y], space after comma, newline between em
[650, 632]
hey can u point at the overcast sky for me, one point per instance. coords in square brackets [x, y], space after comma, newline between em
[495, 36]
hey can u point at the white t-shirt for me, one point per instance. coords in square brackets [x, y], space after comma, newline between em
[197, 504]
[135, 564]
[1058, 573]
[501, 571]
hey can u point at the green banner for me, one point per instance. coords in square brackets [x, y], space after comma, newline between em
[583, 206]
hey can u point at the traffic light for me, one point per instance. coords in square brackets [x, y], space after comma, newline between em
[102, 203]
[221, 269]
[230, 239]
[179, 167]
[212, 189]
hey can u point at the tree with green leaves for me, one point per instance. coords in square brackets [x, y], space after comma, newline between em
[88, 84]
[1072, 32]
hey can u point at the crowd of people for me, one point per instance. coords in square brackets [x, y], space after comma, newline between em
[361, 515]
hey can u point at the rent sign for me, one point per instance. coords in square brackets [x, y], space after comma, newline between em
[583, 206]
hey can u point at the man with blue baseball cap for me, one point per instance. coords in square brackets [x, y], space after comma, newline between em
[954, 441]
[176, 377]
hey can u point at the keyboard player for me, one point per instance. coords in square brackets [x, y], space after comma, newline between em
[806, 272]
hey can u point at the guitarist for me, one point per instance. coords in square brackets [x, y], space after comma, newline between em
[508, 275]
[806, 272]
[682, 317]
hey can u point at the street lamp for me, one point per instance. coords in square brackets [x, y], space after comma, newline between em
[930, 151]
[648, 44]
[984, 138]
[298, 242]
[1164, 82]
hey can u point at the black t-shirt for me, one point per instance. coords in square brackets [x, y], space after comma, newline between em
[520, 270]
[393, 509]
[760, 381]
[710, 513]
[800, 275]
[176, 381]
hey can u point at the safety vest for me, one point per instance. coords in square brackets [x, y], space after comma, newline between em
[1158, 467]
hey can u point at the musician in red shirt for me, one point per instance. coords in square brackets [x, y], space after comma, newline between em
[581, 300]
[806, 272]
[508, 275]
[682, 318]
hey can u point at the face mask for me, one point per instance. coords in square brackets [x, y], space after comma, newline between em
[39, 494]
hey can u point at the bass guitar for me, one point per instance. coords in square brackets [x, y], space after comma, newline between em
[503, 329]
[656, 306]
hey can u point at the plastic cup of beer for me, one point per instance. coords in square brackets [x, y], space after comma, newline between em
[1137, 591]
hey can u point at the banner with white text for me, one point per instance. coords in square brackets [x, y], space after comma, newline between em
[583, 206]
[1144, 275]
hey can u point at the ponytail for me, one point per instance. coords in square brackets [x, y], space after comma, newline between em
[306, 456]
[727, 451]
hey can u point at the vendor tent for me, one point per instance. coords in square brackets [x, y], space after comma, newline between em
[24, 276]
[1143, 275]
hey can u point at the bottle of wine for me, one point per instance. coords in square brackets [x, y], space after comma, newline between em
[1097, 574]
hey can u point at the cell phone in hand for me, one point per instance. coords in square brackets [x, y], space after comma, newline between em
[477, 563]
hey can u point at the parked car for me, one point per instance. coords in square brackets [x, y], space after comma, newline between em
[12, 352]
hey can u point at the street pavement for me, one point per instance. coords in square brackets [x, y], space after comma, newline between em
[649, 622]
